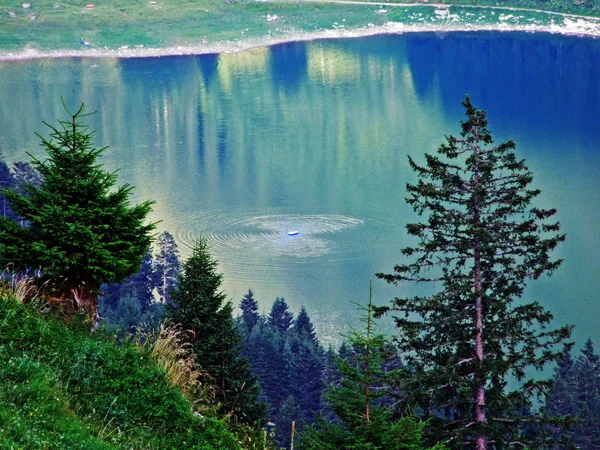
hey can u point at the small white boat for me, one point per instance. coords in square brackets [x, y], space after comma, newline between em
[292, 233]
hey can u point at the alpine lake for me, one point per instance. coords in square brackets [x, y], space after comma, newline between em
[315, 137]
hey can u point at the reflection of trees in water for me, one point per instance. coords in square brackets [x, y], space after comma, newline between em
[322, 126]
[288, 65]
[534, 74]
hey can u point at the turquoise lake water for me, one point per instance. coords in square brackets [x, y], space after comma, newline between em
[314, 136]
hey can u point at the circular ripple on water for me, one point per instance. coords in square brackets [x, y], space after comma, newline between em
[253, 245]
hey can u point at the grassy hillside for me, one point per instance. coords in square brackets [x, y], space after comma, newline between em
[61, 387]
[213, 25]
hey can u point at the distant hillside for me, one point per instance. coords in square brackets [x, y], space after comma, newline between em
[62, 388]
[213, 26]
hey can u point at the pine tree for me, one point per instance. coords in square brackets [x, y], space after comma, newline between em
[288, 417]
[80, 230]
[249, 307]
[141, 284]
[576, 395]
[561, 399]
[167, 265]
[202, 309]
[482, 240]
[363, 421]
[587, 383]
[273, 368]
[279, 317]
[304, 327]
[307, 371]
[6, 181]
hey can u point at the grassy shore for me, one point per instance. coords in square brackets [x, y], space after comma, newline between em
[138, 28]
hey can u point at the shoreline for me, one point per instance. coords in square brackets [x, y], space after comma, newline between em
[581, 27]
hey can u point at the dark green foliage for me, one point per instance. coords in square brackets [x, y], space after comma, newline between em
[130, 305]
[279, 317]
[6, 181]
[306, 371]
[290, 365]
[142, 284]
[576, 392]
[362, 420]
[287, 417]
[62, 388]
[81, 230]
[303, 326]
[126, 317]
[168, 267]
[198, 304]
[479, 243]
[270, 357]
[249, 307]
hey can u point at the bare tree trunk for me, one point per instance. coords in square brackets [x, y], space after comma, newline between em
[367, 357]
[480, 396]
[480, 440]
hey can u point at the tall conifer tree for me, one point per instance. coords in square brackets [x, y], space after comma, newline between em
[141, 285]
[199, 305]
[167, 265]
[362, 419]
[249, 307]
[481, 241]
[279, 317]
[80, 230]
[6, 181]
[303, 326]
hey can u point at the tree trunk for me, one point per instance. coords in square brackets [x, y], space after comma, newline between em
[480, 439]
[85, 300]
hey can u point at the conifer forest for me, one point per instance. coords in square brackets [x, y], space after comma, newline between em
[111, 338]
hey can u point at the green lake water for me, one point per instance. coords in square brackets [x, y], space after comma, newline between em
[314, 136]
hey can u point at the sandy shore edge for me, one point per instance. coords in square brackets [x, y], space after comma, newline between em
[583, 28]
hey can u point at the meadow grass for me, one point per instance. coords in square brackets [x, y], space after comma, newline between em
[61, 387]
[115, 24]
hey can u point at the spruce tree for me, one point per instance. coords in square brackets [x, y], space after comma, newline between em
[576, 395]
[480, 242]
[167, 265]
[199, 305]
[304, 327]
[307, 369]
[279, 317]
[249, 307]
[362, 419]
[287, 419]
[6, 181]
[141, 284]
[587, 397]
[76, 227]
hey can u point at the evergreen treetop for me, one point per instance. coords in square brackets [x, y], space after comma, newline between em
[279, 317]
[6, 181]
[362, 420]
[304, 327]
[249, 307]
[80, 228]
[575, 395]
[479, 244]
[200, 306]
[168, 266]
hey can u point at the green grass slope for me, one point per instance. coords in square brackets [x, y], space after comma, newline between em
[218, 25]
[62, 388]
